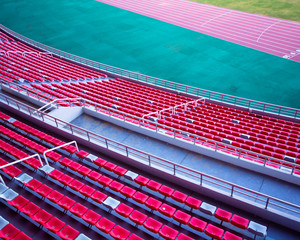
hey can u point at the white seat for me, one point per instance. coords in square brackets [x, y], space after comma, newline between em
[23, 178]
[257, 229]
[82, 237]
[130, 175]
[46, 168]
[3, 222]
[111, 203]
[91, 157]
[3, 188]
[208, 208]
[9, 195]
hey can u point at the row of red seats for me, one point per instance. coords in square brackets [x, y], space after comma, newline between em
[77, 209]
[68, 69]
[9, 231]
[40, 216]
[153, 204]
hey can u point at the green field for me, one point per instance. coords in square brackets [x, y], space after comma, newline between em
[285, 9]
[130, 41]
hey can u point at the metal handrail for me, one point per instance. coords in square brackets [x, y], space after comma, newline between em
[20, 160]
[177, 170]
[192, 138]
[225, 98]
[54, 101]
[57, 147]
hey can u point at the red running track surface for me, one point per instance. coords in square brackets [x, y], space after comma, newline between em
[271, 35]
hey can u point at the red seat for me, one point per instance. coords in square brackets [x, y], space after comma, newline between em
[184, 237]
[105, 181]
[119, 233]
[98, 197]
[166, 191]
[138, 217]
[124, 210]
[9, 231]
[44, 190]
[100, 162]
[68, 233]
[33, 184]
[179, 196]
[55, 174]
[66, 180]
[167, 210]
[42, 217]
[66, 203]
[18, 202]
[140, 197]
[231, 236]
[214, 232]
[134, 237]
[141, 180]
[93, 175]
[153, 185]
[78, 210]
[105, 225]
[127, 192]
[193, 202]
[65, 162]
[82, 154]
[109, 166]
[120, 171]
[197, 224]
[75, 166]
[55, 196]
[116, 186]
[76, 185]
[54, 225]
[91, 217]
[84, 171]
[223, 215]
[168, 233]
[153, 204]
[182, 217]
[21, 236]
[152, 225]
[239, 221]
[30, 209]
[87, 191]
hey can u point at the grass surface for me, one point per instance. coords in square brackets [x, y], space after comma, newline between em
[285, 9]
[130, 41]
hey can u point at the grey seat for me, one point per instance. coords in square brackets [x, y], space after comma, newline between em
[82, 237]
[9, 195]
[130, 175]
[208, 208]
[111, 203]
[46, 168]
[3, 188]
[3, 222]
[23, 178]
[257, 229]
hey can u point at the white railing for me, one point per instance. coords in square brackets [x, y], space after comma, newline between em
[238, 153]
[229, 189]
[224, 98]
[18, 161]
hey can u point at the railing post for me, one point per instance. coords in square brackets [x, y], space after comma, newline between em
[71, 129]
[232, 190]
[106, 143]
[56, 123]
[174, 169]
[149, 160]
[88, 136]
[267, 203]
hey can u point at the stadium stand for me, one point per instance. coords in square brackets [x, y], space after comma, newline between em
[100, 196]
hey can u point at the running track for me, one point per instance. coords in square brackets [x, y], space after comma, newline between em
[271, 35]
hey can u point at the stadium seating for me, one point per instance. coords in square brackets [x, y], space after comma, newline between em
[104, 177]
